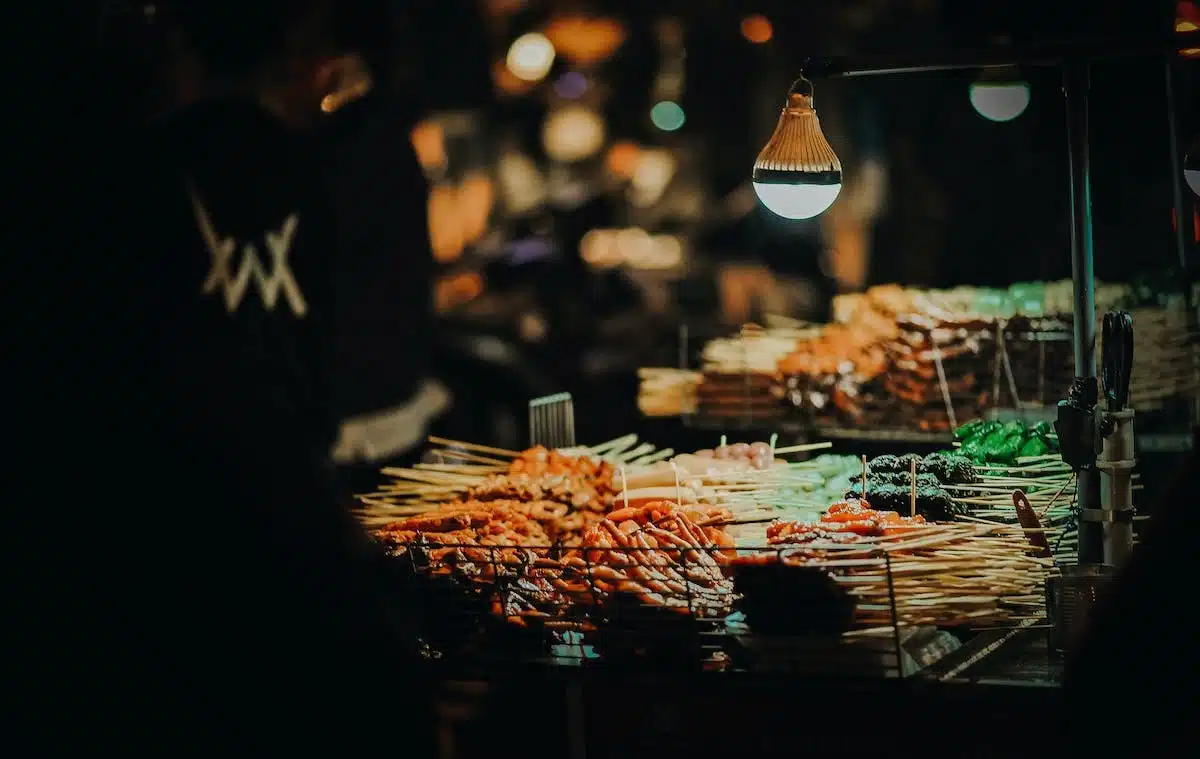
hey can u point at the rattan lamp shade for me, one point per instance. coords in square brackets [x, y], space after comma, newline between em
[797, 174]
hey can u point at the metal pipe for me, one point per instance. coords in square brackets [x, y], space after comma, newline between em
[1049, 54]
[1076, 83]
[1182, 212]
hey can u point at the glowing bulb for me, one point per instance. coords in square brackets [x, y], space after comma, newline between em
[530, 57]
[797, 201]
[1000, 95]
[1000, 102]
[797, 174]
[667, 116]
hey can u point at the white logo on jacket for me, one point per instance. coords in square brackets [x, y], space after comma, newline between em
[270, 285]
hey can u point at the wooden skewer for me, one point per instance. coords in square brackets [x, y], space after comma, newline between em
[659, 455]
[620, 443]
[803, 448]
[474, 447]
[457, 468]
[637, 452]
[864, 477]
[449, 453]
[912, 495]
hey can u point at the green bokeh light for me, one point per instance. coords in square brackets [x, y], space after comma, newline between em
[667, 116]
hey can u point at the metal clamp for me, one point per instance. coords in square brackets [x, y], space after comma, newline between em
[1103, 516]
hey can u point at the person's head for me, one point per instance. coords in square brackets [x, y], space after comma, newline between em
[275, 50]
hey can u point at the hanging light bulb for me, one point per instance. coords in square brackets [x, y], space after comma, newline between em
[797, 175]
[1000, 94]
[1191, 167]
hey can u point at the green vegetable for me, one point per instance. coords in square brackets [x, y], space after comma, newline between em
[1034, 446]
[1043, 428]
[994, 440]
[967, 431]
[1014, 427]
[1006, 451]
[972, 448]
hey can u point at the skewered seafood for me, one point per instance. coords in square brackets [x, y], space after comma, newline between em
[537, 461]
[573, 490]
[660, 556]
[843, 523]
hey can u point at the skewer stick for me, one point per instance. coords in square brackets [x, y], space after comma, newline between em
[912, 495]
[465, 456]
[624, 487]
[1056, 496]
[805, 447]
[651, 458]
[723, 442]
[864, 478]
[473, 446]
[678, 489]
[774, 439]
[616, 444]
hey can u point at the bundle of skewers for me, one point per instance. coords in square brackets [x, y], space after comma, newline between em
[949, 575]
[741, 472]
[572, 539]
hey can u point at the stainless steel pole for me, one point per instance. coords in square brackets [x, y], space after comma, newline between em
[1076, 83]
[1182, 212]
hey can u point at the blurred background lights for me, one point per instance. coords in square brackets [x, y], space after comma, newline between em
[508, 83]
[633, 247]
[521, 184]
[429, 142]
[573, 133]
[571, 85]
[530, 57]
[1000, 101]
[757, 29]
[653, 173]
[667, 116]
[585, 40]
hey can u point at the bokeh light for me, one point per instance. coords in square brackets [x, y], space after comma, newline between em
[530, 57]
[571, 85]
[622, 159]
[667, 116]
[507, 83]
[585, 40]
[573, 134]
[757, 29]
[429, 141]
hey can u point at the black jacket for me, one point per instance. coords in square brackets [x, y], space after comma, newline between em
[384, 265]
[224, 576]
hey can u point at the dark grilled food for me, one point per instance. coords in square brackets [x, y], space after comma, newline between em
[949, 468]
[933, 503]
[899, 479]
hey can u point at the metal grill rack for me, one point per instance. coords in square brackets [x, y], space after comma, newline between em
[490, 606]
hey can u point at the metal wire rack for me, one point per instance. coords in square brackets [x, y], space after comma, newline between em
[677, 608]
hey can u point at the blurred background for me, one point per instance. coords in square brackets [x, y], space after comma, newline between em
[588, 168]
